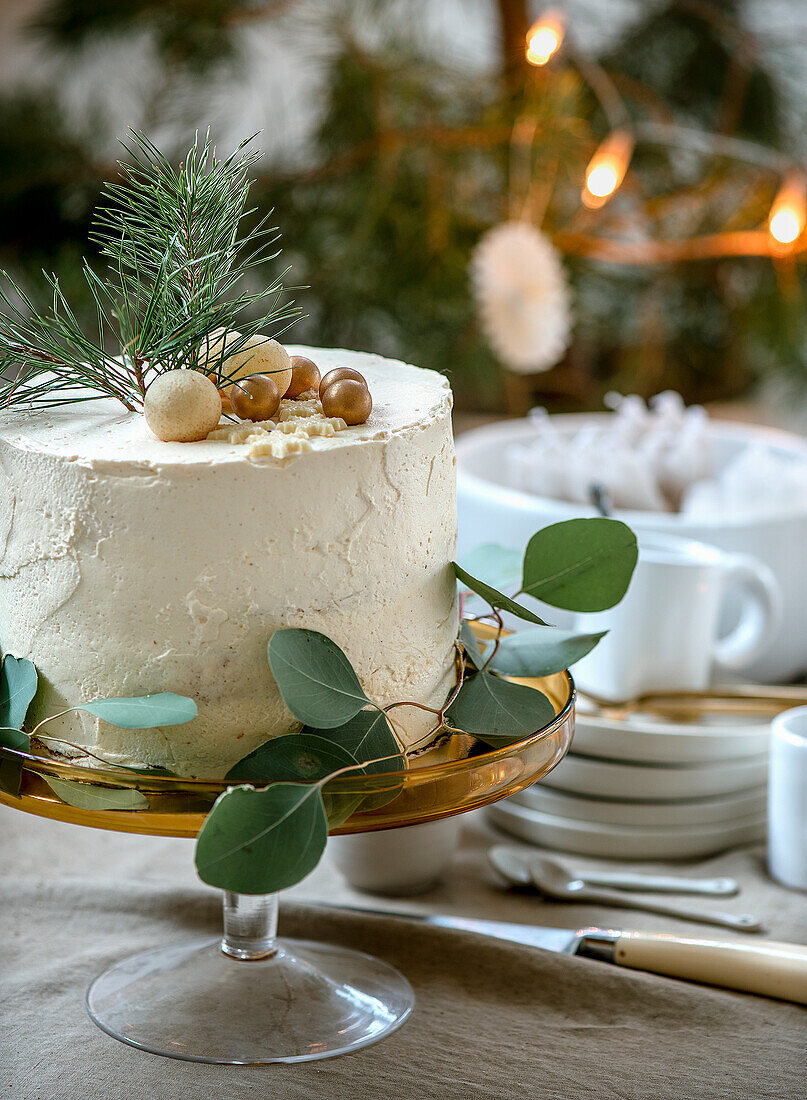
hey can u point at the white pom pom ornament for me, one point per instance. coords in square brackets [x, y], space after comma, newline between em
[522, 297]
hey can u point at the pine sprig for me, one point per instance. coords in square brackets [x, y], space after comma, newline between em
[177, 252]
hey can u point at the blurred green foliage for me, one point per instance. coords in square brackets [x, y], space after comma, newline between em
[412, 160]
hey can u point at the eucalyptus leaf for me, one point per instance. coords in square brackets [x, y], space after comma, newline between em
[369, 738]
[470, 644]
[495, 598]
[498, 711]
[497, 566]
[261, 841]
[85, 796]
[18, 680]
[143, 712]
[315, 678]
[339, 807]
[11, 770]
[580, 564]
[304, 756]
[541, 650]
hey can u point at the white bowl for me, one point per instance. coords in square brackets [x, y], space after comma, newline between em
[490, 510]
[397, 862]
[615, 842]
[648, 783]
[643, 739]
[724, 809]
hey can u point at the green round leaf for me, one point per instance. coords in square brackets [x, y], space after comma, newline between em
[498, 711]
[495, 598]
[304, 756]
[541, 650]
[143, 712]
[18, 682]
[470, 645]
[315, 678]
[580, 564]
[11, 770]
[368, 737]
[85, 796]
[496, 566]
[261, 841]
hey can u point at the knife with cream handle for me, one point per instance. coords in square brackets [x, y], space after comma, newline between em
[764, 967]
[770, 969]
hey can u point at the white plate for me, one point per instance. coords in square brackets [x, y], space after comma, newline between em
[648, 783]
[725, 809]
[643, 739]
[615, 842]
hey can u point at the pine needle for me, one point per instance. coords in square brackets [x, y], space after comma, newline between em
[177, 252]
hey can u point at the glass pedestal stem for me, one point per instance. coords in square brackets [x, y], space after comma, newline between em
[250, 926]
[248, 998]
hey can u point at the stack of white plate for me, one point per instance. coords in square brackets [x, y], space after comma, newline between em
[643, 788]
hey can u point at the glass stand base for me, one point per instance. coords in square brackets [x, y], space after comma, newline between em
[304, 1001]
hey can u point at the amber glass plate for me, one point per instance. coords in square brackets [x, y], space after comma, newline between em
[443, 781]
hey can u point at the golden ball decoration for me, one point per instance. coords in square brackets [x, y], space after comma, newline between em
[260, 355]
[182, 406]
[256, 398]
[341, 374]
[347, 398]
[305, 376]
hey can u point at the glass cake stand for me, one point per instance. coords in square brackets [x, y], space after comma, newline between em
[248, 997]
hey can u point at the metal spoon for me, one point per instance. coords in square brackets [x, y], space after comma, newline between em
[515, 867]
[553, 882]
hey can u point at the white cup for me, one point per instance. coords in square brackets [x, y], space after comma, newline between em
[403, 861]
[787, 799]
[664, 633]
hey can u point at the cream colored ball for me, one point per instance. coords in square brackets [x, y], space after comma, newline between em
[260, 355]
[212, 347]
[182, 406]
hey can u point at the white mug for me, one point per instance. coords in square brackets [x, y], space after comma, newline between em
[787, 799]
[664, 633]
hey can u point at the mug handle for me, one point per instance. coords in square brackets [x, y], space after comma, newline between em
[760, 612]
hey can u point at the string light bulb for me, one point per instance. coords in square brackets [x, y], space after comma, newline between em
[788, 214]
[545, 37]
[607, 169]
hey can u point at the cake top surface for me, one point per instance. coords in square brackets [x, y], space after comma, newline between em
[404, 397]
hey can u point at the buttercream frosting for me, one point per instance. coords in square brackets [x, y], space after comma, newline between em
[130, 565]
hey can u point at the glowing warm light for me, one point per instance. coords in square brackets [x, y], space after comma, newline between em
[788, 214]
[602, 180]
[544, 38]
[785, 226]
[607, 169]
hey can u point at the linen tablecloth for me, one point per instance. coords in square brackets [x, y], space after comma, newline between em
[492, 1020]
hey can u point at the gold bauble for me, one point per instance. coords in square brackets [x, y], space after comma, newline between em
[260, 355]
[304, 376]
[182, 406]
[340, 374]
[347, 398]
[256, 398]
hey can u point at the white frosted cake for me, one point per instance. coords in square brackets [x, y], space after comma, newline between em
[131, 566]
